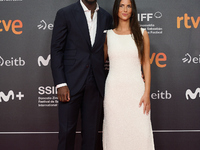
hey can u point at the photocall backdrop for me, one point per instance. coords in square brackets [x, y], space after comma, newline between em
[28, 101]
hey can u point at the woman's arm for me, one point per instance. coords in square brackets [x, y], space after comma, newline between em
[147, 74]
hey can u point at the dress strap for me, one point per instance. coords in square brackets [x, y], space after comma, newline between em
[142, 30]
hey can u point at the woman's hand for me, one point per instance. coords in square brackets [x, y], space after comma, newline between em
[145, 100]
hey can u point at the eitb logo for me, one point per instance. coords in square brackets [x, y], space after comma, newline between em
[11, 62]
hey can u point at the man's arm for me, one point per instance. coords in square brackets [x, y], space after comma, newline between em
[57, 46]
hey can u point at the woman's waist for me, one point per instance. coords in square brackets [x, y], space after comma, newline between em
[125, 74]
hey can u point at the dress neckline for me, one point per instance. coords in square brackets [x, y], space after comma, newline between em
[119, 34]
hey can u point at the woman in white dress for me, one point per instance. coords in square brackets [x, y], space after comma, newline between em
[127, 124]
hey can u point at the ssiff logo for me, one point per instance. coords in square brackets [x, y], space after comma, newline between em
[47, 90]
[186, 20]
[148, 22]
[192, 95]
[148, 16]
[42, 61]
[10, 95]
[15, 25]
[189, 59]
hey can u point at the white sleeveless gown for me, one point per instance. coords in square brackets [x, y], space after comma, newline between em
[125, 126]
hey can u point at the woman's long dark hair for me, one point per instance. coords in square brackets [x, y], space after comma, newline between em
[134, 25]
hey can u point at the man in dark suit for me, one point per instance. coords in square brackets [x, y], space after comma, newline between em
[77, 62]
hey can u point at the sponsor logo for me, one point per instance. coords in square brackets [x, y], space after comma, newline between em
[19, 62]
[190, 95]
[164, 95]
[10, 95]
[148, 16]
[42, 61]
[158, 15]
[47, 96]
[15, 26]
[43, 25]
[188, 22]
[145, 16]
[150, 27]
[47, 90]
[189, 59]
[160, 59]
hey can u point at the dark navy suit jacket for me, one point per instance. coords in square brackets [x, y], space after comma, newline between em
[71, 52]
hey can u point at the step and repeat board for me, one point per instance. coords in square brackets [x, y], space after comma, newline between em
[28, 101]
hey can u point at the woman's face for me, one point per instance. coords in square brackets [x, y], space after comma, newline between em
[125, 10]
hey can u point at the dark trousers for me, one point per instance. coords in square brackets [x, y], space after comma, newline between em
[90, 103]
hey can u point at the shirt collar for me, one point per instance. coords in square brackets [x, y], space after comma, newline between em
[86, 9]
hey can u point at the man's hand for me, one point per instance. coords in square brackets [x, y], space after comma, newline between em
[64, 94]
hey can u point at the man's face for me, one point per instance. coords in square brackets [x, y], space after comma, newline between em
[90, 1]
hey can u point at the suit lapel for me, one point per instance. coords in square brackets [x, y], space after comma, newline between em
[82, 22]
[100, 27]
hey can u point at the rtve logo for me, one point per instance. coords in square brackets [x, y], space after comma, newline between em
[186, 19]
[10, 95]
[42, 61]
[192, 95]
[189, 59]
[160, 57]
[12, 62]
[15, 26]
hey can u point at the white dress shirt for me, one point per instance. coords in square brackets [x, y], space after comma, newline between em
[92, 22]
[92, 26]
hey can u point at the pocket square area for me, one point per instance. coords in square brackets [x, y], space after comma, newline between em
[105, 31]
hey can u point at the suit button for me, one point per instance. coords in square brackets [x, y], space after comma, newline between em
[87, 66]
